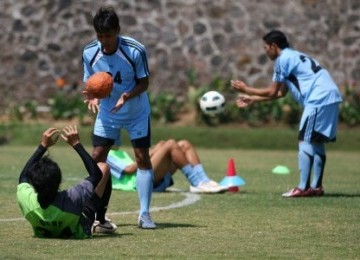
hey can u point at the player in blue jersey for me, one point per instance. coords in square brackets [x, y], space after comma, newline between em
[313, 88]
[60, 214]
[127, 107]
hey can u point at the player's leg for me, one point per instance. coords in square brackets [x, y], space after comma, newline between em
[179, 160]
[192, 156]
[104, 137]
[319, 166]
[90, 209]
[160, 160]
[140, 136]
[203, 183]
[306, 160]
[100, 188]
[306, 153]
[100, 151]
[325, 131]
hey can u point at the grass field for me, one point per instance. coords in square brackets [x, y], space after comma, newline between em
[255, 223]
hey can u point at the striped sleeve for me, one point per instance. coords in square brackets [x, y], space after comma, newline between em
[139, 56]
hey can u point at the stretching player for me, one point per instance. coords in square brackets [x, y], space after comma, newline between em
[60, 214]
[127, 107]
[313, 88]
[167, 157]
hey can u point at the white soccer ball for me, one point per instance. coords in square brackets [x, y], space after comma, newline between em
[212, 103]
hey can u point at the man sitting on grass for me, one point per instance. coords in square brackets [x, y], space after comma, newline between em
[166, 158]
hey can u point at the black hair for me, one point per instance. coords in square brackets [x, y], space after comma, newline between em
[277, 37]
[106, 20]
[45, 177]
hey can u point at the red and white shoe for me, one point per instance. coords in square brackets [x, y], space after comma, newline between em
[295, 192]
[318, 192]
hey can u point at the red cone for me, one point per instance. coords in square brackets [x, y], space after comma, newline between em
[233, 189]
[231, 180]
[231, 168]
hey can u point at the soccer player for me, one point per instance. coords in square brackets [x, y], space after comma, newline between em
[166, 158]
[127, 107]
[60, 214]
[313, 88]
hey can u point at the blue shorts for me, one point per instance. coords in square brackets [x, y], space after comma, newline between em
[319, 124]
[166, 182]
[108, 132]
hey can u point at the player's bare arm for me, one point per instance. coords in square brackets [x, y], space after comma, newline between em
[273, 91]
[130, 169]
[140, 87]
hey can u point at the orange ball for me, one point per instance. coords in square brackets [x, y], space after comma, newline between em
[99, 84]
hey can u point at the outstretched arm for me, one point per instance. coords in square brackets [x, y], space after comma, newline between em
[273, 91]
[49, 138]
[71, 136]
[140, 87]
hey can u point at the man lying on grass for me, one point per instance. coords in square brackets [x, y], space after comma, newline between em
[60, 214]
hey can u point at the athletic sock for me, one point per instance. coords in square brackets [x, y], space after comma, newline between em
[319, 165]
[306, 159]
[104, 202]
[199, 169]
[144, 187]
[191, 175]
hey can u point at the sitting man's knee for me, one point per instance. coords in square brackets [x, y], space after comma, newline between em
[184, 144]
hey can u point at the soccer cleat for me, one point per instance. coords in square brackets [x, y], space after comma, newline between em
[317, 192]
[208, 187]
[145, 222]
[295, 192]
[218, 186]
[104, 228]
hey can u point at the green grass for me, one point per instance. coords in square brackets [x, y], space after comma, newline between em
[221, 137]
[255, 223]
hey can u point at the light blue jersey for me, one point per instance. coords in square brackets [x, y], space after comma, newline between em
[308, 82]
[126, 65]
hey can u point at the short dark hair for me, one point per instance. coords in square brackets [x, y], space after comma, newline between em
[277, 37]
[106, 20]
[45, 177]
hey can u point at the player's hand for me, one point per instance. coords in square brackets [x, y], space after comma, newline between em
[88, 95]
[239, 85]
[70, 135]
[50, 137]
[92, 104]
[244, 101]
[120, 102]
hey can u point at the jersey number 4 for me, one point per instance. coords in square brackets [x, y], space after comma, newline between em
[118, 78]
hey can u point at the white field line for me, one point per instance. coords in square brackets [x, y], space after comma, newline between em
[190, 198]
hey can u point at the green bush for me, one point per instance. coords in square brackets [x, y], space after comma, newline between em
[165, 106]
[350, 108]
[66, 105]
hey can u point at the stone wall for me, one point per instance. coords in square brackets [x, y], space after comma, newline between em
[42, 40]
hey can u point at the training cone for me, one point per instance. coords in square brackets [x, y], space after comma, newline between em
[232, 180]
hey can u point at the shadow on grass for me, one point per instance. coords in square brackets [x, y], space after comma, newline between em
[163, 225]
[342, 195]
[175, 225]
[113, 235]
